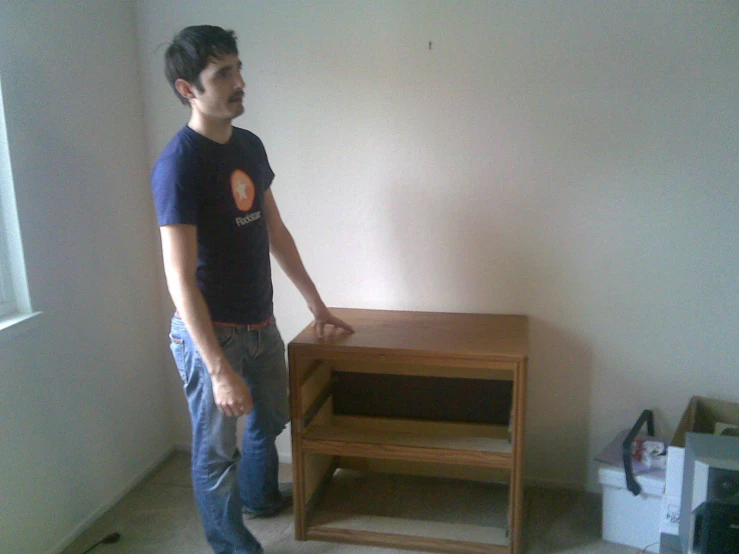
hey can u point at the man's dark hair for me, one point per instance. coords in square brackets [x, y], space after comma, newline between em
[192, 49]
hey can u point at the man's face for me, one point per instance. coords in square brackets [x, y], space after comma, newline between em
[223, 89]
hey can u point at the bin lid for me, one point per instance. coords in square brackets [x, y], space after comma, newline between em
[652, 483]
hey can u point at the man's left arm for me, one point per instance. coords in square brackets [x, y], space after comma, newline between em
[282, 246]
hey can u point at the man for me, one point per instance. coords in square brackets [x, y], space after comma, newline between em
[219, 222]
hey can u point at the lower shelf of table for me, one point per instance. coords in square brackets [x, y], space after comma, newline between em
[372, 437]
[416, 513]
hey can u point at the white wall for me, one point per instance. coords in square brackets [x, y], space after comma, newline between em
[572, 161]
[576, 162]
[83, 407]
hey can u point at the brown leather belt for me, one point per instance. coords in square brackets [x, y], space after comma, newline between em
[241, 326]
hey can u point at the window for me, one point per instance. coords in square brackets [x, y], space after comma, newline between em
[15, 303]
[7, 305]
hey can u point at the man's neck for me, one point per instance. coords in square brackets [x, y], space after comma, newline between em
[216, 130]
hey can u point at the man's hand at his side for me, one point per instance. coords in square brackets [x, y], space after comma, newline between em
[231, 394]
[180, 249]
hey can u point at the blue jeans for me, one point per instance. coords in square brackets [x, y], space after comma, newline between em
[223, 480]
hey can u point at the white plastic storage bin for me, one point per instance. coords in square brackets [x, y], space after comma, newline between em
[628, 519]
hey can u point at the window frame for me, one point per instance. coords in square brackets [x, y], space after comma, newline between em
[15, 302]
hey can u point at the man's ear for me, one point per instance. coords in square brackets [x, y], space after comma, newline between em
[185, 89]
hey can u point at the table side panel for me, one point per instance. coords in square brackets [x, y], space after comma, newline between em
[518, 438]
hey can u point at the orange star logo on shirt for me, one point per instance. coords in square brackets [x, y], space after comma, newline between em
[243, 190]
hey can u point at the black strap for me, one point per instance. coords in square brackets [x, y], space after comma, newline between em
[648, 417]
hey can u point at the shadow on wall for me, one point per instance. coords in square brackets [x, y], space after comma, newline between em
[451, 254]
[559, 405]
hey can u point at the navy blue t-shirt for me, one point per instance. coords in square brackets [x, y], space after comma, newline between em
[220, 189]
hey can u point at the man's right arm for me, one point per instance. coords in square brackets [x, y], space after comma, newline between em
[179, 249]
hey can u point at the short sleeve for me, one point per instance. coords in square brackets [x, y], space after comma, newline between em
[254, 145]
[174, 190]
[269, 175]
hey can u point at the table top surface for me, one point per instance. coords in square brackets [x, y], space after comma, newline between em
[461, 334]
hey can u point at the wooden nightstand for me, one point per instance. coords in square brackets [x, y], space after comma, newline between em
[432, 403]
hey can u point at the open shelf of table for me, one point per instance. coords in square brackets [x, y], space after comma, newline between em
[446, 515]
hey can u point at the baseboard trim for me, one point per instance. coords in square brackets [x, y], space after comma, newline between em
[123, 491]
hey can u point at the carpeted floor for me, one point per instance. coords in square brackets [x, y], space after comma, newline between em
[159, 517]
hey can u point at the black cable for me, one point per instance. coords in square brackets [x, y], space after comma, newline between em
[107, 539]
[642, 551]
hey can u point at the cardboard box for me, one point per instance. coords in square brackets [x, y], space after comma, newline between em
[703, 415]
